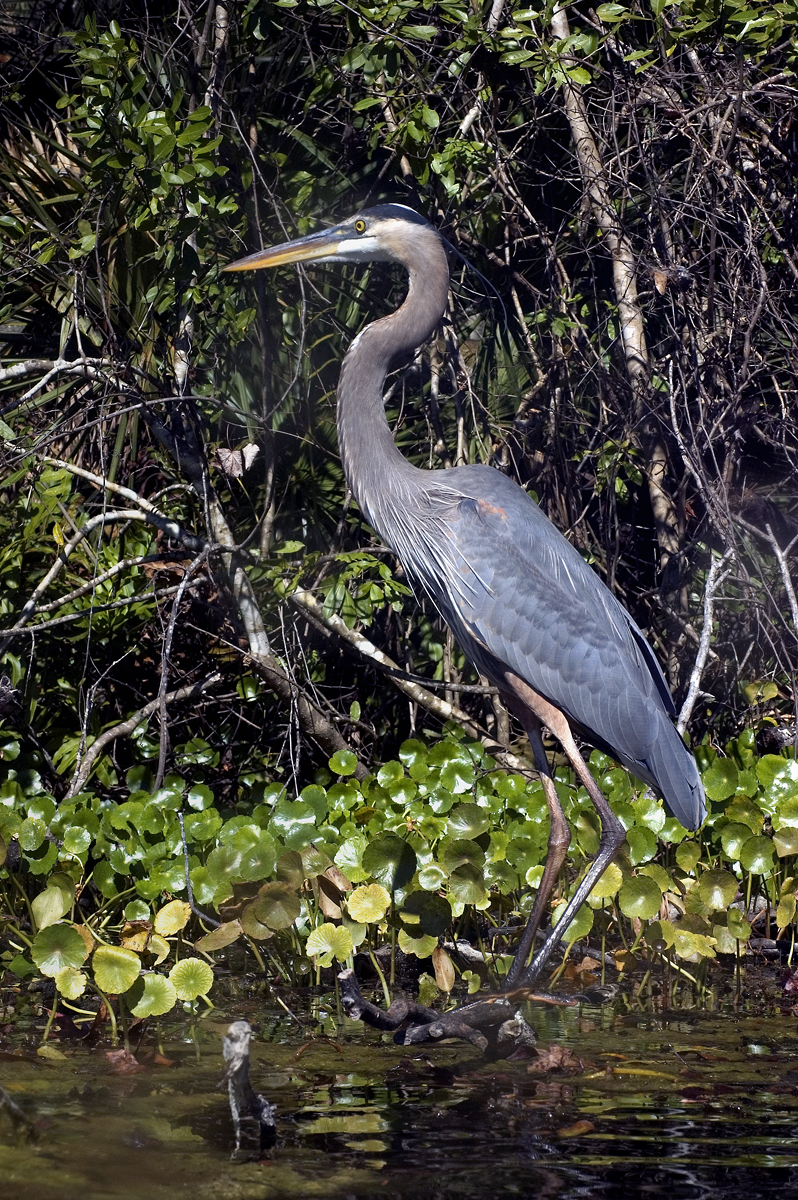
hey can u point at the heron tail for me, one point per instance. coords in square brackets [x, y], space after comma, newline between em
[675, 774]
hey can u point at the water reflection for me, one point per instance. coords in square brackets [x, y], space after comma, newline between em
[691, 1103]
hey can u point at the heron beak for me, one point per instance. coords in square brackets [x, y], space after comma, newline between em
[317, 247]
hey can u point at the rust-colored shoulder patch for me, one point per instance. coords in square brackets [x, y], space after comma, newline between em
[485, 507]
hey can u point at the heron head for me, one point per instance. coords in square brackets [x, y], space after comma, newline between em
[386, 233]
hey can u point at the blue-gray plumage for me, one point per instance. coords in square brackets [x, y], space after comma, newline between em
[525, 607]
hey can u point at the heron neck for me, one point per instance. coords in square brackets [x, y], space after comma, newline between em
[375, 470]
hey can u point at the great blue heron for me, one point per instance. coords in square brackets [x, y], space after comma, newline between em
[523, 604]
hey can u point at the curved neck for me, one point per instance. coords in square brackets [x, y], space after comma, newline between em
[373, 466]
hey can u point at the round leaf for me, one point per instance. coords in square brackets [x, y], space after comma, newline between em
[432, 913]
[115, 969]
[640, 897]
[172, 917]
[50, 906]
[151, 996]
[580, 926]
[467, 821]
[733, 837]
[720, 779]
[192, 977]
[422, 947]
[343, 762]
[71, 983]
[58, 947]
[467, 884]
[607, 886]
[757, 855]
[390, 860]
[368, 904]
[717, 889]
[329, 941]
[276, 906]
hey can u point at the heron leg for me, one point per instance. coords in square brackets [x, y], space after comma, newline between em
[613, 832]
[559, 837]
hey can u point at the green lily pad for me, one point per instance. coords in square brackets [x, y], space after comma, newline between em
[191, 977]
[151, 996]
[368, 904]
[115, 969]
[329, 941]
[717, 889]
[390, 860]
[640, 897]
[467, 821]
[58, 947]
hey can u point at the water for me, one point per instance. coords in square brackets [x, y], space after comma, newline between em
[695, 1103]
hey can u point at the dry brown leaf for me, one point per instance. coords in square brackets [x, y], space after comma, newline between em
[444, 969]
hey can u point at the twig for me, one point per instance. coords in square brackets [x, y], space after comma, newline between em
[443, 709]
[125, 728]
[781, 558]
[715, 577]
[166, 650]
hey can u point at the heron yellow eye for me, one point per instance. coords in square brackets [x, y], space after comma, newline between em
[360, 226]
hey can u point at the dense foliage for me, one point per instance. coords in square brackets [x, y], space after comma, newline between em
[190, 602]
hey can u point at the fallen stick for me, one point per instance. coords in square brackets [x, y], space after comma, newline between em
[490, 1024]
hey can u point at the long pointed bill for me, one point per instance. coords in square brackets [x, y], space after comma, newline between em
[317, 247]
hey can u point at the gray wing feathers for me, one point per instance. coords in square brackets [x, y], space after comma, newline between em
[510, 584]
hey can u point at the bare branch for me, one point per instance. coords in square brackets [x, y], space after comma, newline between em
[125, 728]
[715, 577]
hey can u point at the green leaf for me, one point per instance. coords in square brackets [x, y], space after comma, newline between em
[71, 983]
[191, 977]
[422, 947]
[733, 837]
[717, 889]
[720, 779]
[115, 969]
[277, 905]
[58, 947]
[294, 821]
[609, 883]
[580, 926]
[468, 821]
[467, 884]
[640, 897]
[368, 904]
[390, 860]
[756, 855]
[343, 762]
[688, 855]
[50, 906]
[329, 941]
[151, 996]
[459, 852]
[427, 911]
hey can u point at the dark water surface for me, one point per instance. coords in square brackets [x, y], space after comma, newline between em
[689, 1103]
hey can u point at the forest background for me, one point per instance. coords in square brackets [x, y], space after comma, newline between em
[195, 616]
